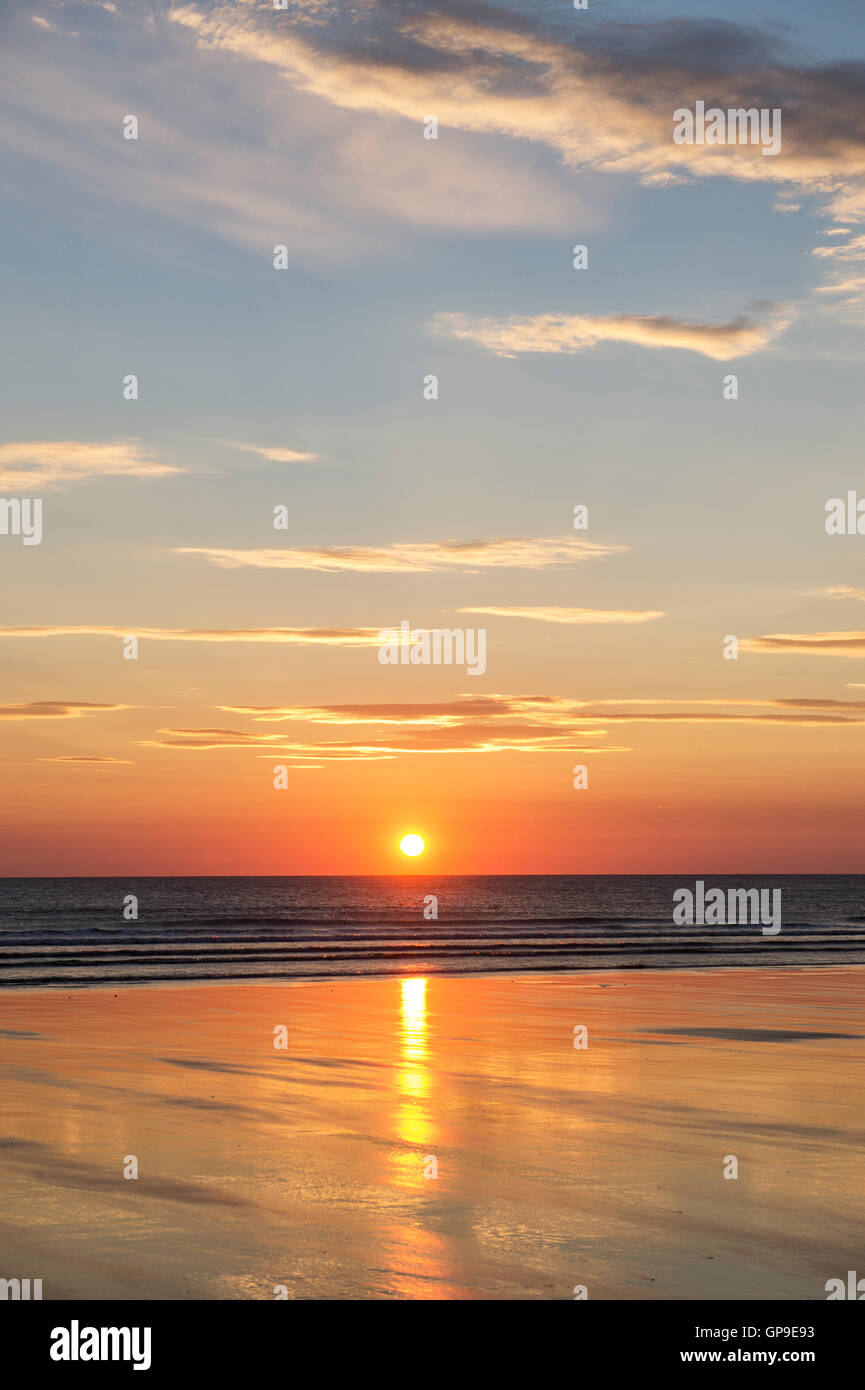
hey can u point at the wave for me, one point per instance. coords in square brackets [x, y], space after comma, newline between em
[68, 933]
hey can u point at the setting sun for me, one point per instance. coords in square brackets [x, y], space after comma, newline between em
[412, 845]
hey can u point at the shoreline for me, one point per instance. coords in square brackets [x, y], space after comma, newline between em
[532, 972]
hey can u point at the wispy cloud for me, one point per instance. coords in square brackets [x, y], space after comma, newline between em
[439, 712]
[845, 282]
[573, 717]
[230, 740]
[256, 159]
[40, 463]
[570, 615]
[570, 333]
[807, 644]
[90, 761]
[272, 455]
[298, 636]
[447, 738]
[842, 251]
[56, 709]
[837, 591]
[204, 739]
[422, 557]
[850, 292]
[808, 718]
[493, 723]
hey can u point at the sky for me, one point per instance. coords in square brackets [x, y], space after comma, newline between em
[303, 388]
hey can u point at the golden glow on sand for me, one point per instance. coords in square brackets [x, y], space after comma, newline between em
[412, 845]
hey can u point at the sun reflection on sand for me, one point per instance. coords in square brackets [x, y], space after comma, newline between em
[419, 1256]
[414, 1078]
[413, 1018]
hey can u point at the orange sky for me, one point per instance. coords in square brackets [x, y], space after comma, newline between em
[683, 797]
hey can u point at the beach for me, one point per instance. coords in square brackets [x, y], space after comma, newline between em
[437, 1139]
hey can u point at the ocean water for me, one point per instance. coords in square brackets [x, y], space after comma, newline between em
[71, 932]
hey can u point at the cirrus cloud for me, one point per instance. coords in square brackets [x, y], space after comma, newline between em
[43, 463]
[850, 644]
[279, 454]
[555, 711]
[86, 758]
[571, 333]
[571, 615]
[297, 636]
[56, 709]
[421, 557]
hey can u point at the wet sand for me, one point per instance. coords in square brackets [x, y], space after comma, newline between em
[304, 1167]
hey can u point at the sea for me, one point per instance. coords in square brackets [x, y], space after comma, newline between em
[79, 932]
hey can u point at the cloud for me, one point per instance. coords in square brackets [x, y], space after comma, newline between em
[469, 723]
[421, 558]
[522, 737]
[804, 702]
[845, 284]
[570, 333]
[278, 455]
[601, 96]
[665, 179]
[222, 740]
[850, 644]
[56, 709]
[327, 153]
[573, 717]
[837, 591]
[848, 251]
[845, 281]
[570, 615]
[811, 719]
[849, 306]
[209, 739]
[54, 463]
[437, 712]
[327, 156]
[256, 160]
[491, 724]
[101, 762]
[298, 636]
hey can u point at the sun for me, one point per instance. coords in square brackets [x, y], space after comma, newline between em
[412, 845]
